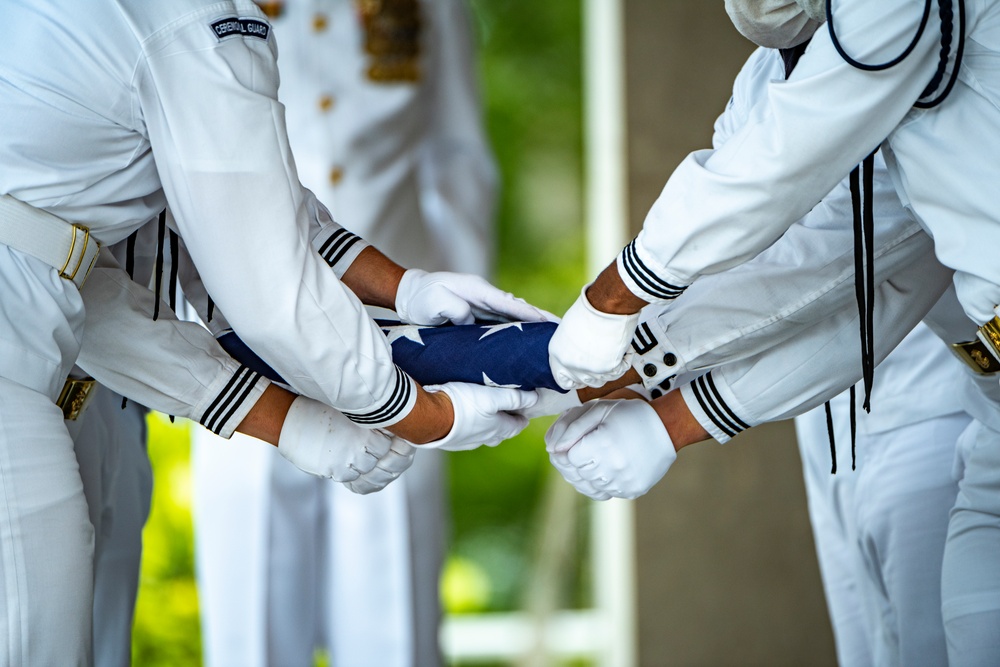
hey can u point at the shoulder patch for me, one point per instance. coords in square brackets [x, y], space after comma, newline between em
[230, 26]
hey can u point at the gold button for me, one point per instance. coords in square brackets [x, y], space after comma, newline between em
[272, 8]
[325, 103]
[319, 22]
[336, 175]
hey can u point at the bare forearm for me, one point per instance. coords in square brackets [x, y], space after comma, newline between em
[683, 428]
[373, 277]
[266, 417]
[631, 377]
[610, 295]
[431, 418]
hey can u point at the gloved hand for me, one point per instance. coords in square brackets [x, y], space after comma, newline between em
[389, 467]
[617, 448]
[325, 443]
[430, 299]
[590, 347]
[483, 415]
[551, 402]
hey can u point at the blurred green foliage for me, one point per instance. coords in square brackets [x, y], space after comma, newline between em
[166, 620]
[530, 73]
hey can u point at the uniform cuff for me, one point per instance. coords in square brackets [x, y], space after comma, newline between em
[711, 404]
[232, 396]
[657, 364]
[391, 410]
[338, 248]
[644, 278]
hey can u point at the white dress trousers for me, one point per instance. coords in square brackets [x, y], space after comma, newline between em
[110, 445]
[880, 529]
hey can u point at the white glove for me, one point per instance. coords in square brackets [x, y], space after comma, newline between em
[590, 347]
[325, 443]
[551, 402]
[483, 415]
[617, 448]
[388, 468]
[430, 299]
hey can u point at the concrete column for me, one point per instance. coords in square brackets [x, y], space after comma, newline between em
[726, 567]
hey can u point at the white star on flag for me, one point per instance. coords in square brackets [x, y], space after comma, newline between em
[409, 332]
[490, 383]
[501, 327]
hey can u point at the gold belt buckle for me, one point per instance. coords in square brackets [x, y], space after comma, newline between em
[989, 334]
[74, 397]
[977, 356]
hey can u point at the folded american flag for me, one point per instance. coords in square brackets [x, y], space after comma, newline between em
[514, 354]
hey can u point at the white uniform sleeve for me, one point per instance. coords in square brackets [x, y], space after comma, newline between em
[337, 246]
[736, 314]
[210, 108]
[458, 176]
[168, 365]
[816, 365]
[805, 275]
[763, 66]
[722, 207]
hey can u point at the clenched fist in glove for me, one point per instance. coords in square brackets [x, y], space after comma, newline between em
[325, 443]
[611, 449]
[483, 415]
[430, 299]
[591, 348]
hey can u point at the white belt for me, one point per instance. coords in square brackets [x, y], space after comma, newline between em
[66, 247]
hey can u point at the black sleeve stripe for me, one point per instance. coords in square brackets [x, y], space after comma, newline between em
[729, 411]
[644, 340]
[645, 278]
[235, 405]
[340, 233]
[338, 243]
[707, 400]
[229, 399]
[392, 407]
[704, 407]
[347, 246]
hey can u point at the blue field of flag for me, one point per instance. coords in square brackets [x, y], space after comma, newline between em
[515, 354]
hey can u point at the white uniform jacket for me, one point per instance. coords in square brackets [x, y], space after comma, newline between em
[722, 207]
[771, 323]
[195, 84]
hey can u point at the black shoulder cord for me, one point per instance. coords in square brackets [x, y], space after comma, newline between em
[864, 256]
[854, 429]
[946, 14]
[862, 188]
[790, 57]
[161, 230]
[130, 254]
[174, 264]
[833, 439]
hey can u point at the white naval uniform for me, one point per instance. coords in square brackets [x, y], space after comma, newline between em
[879, 532]
[288, 562]
[88, 94]
[720, 208]
[110, 444]
[809, 131]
